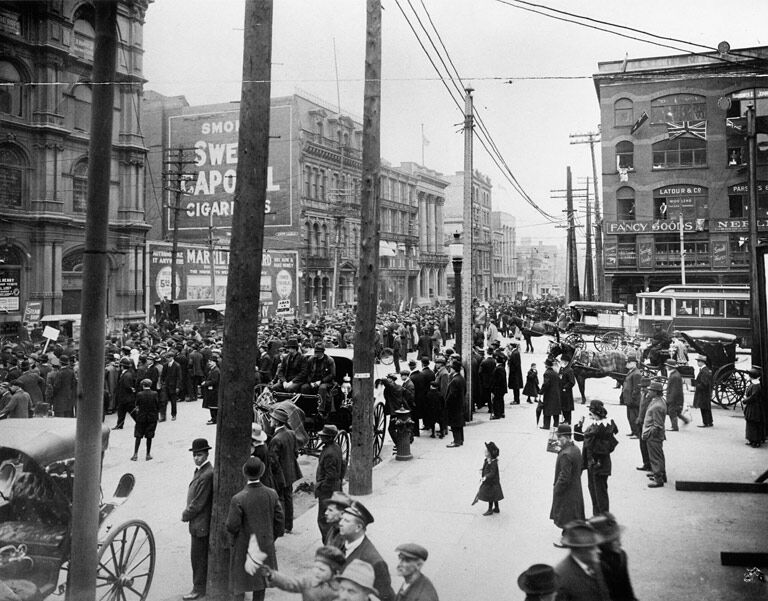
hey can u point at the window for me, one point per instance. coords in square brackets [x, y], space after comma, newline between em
[307, 180]
[712, 308]
[662, 306]
[680, 152]
[627, 252]
[82, 41]
[737, 308]
[678, 107]
[625, 204]
[80, 186]
[738, 246]
[10, 90]
[625, 152]
[623, 115]
[736, 206]
[687, 307]
[736, 125]
[11, 178]
[81, 96]
[738, 200]
[10, 274]
[322, 184]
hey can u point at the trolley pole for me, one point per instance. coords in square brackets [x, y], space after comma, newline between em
[85, 501]
[467, 280]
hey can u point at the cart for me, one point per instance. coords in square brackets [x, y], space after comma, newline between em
[603, 323]
[728, 382]
[311, 419]
[37, 474]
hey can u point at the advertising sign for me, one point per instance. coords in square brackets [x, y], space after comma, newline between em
[610, 252]
[10, 290]
[33, 310]
[719, 254]
[735, 225]
[211, 142]
[279, 284]
[660, 226]
[645, 255]
[160, 274]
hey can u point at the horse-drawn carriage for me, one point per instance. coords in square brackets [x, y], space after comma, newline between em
[728, 382]
[305, 409]
[37, 474]
[603, 323]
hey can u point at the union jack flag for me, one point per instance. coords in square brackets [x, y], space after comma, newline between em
[687, 129]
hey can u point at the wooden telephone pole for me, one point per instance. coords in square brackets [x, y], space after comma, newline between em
[361, 453]
[573, 260]
[174, 184]
[233, 432]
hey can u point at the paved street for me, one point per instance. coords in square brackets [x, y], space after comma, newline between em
[673, 538]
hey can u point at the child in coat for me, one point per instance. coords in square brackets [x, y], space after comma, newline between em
[490, 486]
[531, 388]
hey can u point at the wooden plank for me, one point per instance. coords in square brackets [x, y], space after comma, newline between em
[749, 560]
[701, 486]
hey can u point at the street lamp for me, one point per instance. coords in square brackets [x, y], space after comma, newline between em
[456, 252]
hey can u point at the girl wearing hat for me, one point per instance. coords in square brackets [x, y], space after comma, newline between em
[490, 485]
[145, 413]
[319, 583]
[531, 388]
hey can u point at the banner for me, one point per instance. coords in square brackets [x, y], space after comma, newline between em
[10, 290]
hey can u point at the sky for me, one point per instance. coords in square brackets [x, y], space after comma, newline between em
[194, 48]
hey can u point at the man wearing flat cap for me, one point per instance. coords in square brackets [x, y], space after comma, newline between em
[254, 510]
[321, 373]
[329, 475]
[198, 514]
[674, 396]
[580, 576]
[653, 434]
[539, 583]
[283, 445]
[356, 545]
[416, 586]
[334, 509]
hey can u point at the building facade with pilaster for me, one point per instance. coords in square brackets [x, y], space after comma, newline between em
[504, 237]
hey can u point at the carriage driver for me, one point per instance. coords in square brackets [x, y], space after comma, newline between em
[321, 371]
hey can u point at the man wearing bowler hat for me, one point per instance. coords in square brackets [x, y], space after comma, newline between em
[567, 495]
[416, 586]
[329, 474]
[356, 582]
[702, 397]
[198, 514]
[283, 445]
[292, 371]
[653, 434]
[254, 510]
[675, 399]
[321, 373]
[356, 545]
[539, 583]
[580, 576]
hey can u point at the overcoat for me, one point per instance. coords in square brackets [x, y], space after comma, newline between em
[674, 392]
[145, 414]
[454, 402]
[199, 501]
[573, 584]
[532, 384]
[420, 589]
[567, 496]
[550, 393]
[515, 370]
[567, 382]
[330, 471]
[283, 445]
[490, 487]
[702, 397]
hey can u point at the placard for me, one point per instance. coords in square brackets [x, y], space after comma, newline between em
[50, 333]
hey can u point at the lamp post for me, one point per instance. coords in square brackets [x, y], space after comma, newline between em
[456, 251]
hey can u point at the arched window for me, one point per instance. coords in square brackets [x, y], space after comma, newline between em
[73, 262]
[625, 204]
[324, 241]
[84, 35]
[623, 115]
[307, 181]
[81, 96]
[678, 107]
[310, 238]
[11, 177]
[80, 186]
[625, 155]
[316, 236]
[10, 90]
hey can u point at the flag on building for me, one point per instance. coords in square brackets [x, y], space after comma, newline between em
[735, 125]
[642, 119]
[687, 129]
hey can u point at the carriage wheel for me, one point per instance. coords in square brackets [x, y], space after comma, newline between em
[126, 563]
[607, 342]
[575, 340]
[379, 430]
[730, 386]
[342, 439]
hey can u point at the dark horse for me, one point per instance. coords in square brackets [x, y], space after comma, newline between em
[589, 364]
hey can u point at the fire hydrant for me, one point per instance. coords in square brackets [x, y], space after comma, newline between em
[403, 428]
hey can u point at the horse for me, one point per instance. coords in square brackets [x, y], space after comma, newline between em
[590, 364]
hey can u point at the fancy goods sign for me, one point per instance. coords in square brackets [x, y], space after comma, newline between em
[654, 227]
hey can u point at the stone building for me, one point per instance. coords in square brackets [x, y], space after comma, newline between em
[46, 60]
[504, 241]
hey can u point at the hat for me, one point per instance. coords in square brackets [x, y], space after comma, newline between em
[492, 448]
[319, 346]
[514, 342]
[24, 365]
[579, 534]
[200, 444]
[564, 430]
[340, 499]
[606, 526]
[329, 431]
[548, 362]
[656, 386]
[670, 363]
[332, 557]
[292, 343]
[405, 372]
[755, 372]
[631, 359]
[361, 573]
[701, 358]
[456, 364]
[258, 434]
[169, 355]
[412, 363]
[280, 414]
[598, 408]
[412, 551]
[126, 361]
[146, 383]
[392, 376]
[439, 359]
[645, 382]
[357, 509]
[253, 468]
[539, 579]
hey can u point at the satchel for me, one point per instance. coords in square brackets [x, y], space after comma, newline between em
[553, 445]
[255, 557]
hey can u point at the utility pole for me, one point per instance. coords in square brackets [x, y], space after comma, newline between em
[593, 138]
[573, 269]
[467, 267]
[361, 452]
[589, 290]
[680, 225]
[86, 492]
[233, 432]
[177, 176]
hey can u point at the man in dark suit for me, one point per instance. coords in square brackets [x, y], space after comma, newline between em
[64, 390]
[421, 380]
[31, 382]
[198, 514]
[485, 372]
[702, 397]
[357, 545]
[579, 576]
[630, 396]
[125, 398]
[293, 369]
[515, 380]
[675, 399]
[416, 586]
[567, 495]
[283, 446]
[170, 385]
[454, 404]
[550, 394]
[254, 510]
[329, 475]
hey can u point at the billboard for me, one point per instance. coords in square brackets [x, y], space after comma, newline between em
[210, 143]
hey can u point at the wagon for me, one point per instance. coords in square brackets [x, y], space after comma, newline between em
[311, 419]
[37, 474]
[603, 323]
[728, 382]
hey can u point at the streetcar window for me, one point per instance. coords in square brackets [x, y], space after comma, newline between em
[687, 307]
[737, 308]
[712, 308]
[657, 306]
[667, 303]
